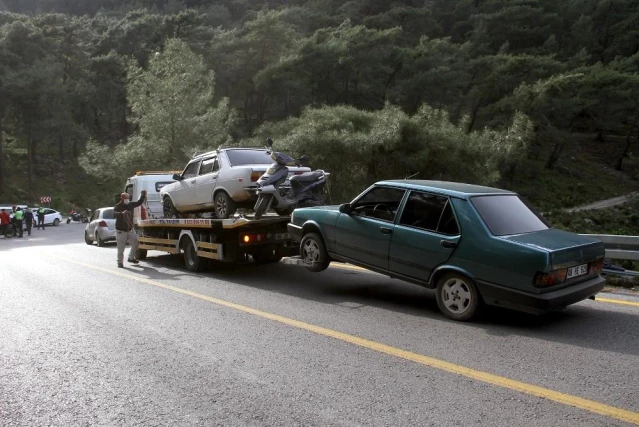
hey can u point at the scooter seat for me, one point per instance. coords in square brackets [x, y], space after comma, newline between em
[307, 176]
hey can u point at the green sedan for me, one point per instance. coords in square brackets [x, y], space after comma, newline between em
[475, 245]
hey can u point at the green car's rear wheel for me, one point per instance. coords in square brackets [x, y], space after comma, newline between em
[457, 297]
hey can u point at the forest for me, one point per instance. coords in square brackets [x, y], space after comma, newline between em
[539, 96]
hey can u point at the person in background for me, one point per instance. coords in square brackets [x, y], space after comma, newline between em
[18, 217]
[124, 231]
[28, 217]
[5, 219]
[40, 217]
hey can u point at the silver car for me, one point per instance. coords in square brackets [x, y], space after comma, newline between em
[101, 227]
[220, 181]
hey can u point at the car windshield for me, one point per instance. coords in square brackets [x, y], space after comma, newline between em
[248, 157]
[508, 214]
[107, 213]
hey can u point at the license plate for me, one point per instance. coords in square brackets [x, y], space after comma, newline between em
[579, 270]
[282, 236]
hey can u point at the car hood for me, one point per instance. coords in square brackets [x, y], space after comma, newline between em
[565, 248]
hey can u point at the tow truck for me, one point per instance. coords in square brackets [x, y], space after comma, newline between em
[202, 239]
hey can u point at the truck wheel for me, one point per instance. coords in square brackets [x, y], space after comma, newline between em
[224, 205]
[168, 208]
[313, 252]
[266, 256]
[86, 239]
[191, 260]
[261, 206]
[457, 297]
[141, 254]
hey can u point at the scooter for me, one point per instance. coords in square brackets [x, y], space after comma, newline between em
[303, 190]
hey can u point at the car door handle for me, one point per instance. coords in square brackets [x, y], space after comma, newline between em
[386, 230]
[192, 181]
[447, 244]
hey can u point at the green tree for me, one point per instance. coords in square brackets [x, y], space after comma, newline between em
[171, 107]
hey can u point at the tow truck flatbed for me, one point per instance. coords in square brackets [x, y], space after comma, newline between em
[200, 240]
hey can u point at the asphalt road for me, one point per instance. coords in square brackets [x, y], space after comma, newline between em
[85, 343]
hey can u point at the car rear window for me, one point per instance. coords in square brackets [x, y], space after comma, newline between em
[248, 157]
[108, 214]
[508, 214]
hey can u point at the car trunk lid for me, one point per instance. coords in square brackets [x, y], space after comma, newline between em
[565, 249]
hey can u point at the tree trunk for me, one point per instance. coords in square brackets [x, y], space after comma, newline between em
[555, 155]
[1, 156]
[626, 149]
[473, 117]
[61, 148]
[30, 154]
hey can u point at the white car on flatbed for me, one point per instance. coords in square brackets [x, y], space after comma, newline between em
[218, 181]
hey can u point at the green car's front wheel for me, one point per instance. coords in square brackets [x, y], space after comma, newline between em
[313, 252]
[457, 297]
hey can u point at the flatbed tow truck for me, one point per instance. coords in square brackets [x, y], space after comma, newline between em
[200, 240]
[231, 240]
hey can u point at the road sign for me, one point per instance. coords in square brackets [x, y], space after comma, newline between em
[45, 199]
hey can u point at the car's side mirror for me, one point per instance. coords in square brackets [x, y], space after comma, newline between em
[177, 177]
[345, 208]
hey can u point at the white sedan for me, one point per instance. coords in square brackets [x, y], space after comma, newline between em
[220, 180]
[101, 227]
[51, 216]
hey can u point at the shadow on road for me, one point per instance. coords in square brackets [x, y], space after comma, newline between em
[588, 325]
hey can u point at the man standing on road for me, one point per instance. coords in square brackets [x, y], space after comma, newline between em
[5, 219]
[40, 217]
[28, 217]
[17, 220]
[124, 227]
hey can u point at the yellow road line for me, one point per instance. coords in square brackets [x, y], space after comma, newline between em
[598, 299]
[618, 301]
[533, 390]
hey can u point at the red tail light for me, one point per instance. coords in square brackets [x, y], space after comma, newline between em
[555, 277]
[298, 173]
[596, 267]
[255, 176]
[102, 224]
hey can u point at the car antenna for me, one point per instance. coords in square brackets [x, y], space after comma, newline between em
[409, 177]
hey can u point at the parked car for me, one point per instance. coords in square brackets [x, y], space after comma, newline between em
[51, 216]
[219, 181]
[101, 227]
[475, 245]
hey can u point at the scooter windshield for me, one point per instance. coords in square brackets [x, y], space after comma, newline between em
[281, 158]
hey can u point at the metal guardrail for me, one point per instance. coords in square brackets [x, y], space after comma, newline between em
[619, 247]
